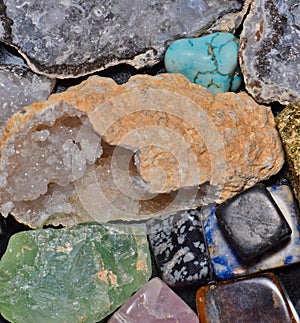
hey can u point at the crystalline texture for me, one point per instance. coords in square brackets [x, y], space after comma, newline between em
[76, 37]
[50, 148]
[20, 87]
[269, 51]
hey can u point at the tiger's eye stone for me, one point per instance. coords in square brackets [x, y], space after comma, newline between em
[257, 299]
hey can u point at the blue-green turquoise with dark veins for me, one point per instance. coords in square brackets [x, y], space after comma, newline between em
[211, 61]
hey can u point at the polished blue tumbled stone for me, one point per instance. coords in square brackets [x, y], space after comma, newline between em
[225, 261]
[210, 61]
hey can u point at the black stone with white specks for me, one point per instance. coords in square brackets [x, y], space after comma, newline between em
[179, 248]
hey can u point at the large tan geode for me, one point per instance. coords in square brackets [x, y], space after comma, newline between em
[178, 146]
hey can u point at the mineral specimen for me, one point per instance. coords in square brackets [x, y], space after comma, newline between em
[154, 302]
[20, 87]
[72, 37]
[79, 274]
[288, 123]
[257, 299]
[210, 61]
[179, 248]
[225, 261]
[269, 51]
[252, 222]
[162, 137]
[230, 22]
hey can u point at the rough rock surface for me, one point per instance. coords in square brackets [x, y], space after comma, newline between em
[78, 274]
[288, 123]
[231, 21]
[20, 87]
[73, 37]
[162, 137]
[269, 51]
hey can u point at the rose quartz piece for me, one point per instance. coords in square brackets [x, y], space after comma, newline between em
[154, 302]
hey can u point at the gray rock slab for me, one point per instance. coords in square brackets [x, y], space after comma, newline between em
[270, 49]
[20, 87]
[67, 38]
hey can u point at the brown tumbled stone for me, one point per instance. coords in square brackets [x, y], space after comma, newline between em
[166, 144]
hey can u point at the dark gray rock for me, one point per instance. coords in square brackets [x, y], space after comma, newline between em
[20, 87]
[252, 222]
[270, 49]
[7, 56]
[75, 37]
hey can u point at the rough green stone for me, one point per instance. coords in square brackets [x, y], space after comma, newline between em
[288, 123]
[77, 274]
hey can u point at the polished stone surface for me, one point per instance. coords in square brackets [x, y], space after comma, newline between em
[252, 222]
[154, 302]
[225, 261]
[288, 121]
[269, 51]
[71, 37]
[257, 299]
[179, 248]
[210, 61]
[76, 274]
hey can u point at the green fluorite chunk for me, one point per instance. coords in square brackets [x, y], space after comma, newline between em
[77, 274]
[211, 61]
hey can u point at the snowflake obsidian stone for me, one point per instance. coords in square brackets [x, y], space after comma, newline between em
[179, 248]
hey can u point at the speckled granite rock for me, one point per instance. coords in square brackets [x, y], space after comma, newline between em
[269, 51]
[20, 87]
[171, 136]
[78, 274]
[76, 37]
[288, 123]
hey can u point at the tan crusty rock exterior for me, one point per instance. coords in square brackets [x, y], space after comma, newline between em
[181, 137]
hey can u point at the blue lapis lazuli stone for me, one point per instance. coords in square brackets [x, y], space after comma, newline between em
[225, 261]
[211, 61]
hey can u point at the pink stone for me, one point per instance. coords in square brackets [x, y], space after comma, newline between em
[155, 302]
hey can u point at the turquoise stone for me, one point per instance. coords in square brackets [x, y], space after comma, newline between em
[77, 274]
[211, 61]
